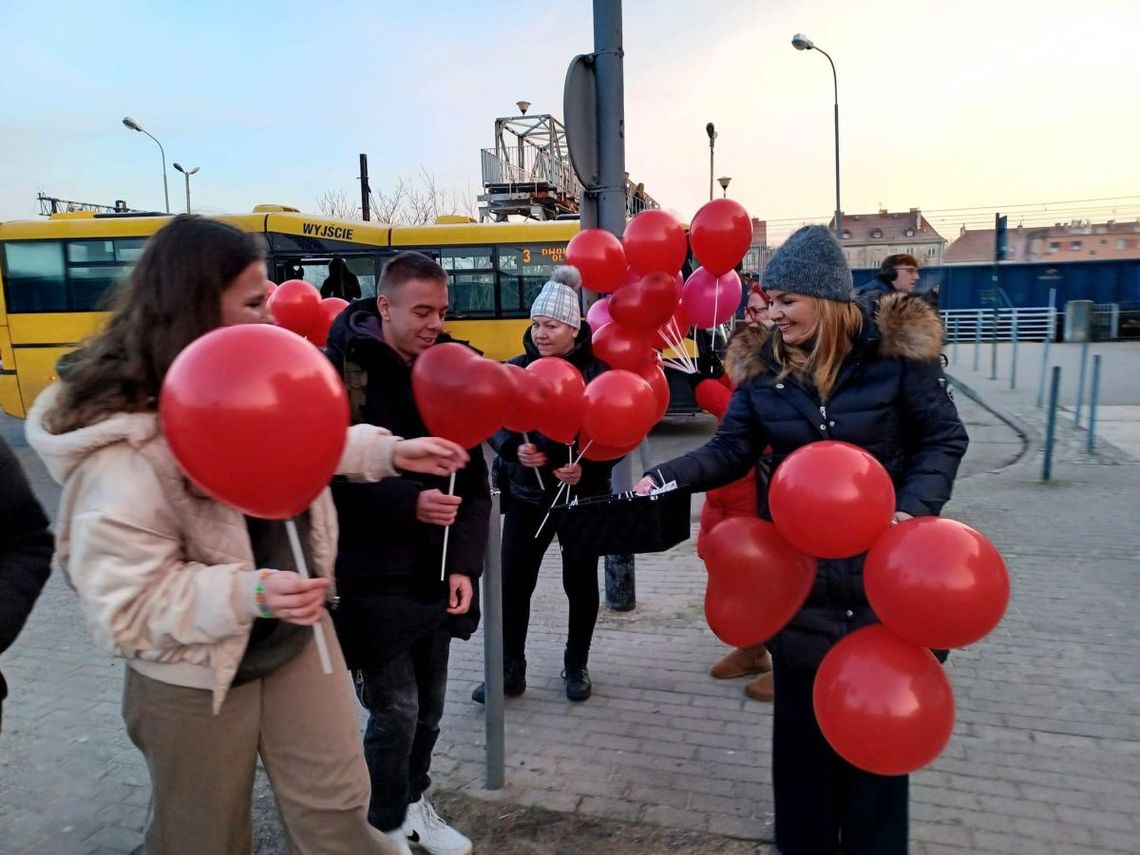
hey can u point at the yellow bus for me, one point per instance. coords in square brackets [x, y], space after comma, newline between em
[56, 274]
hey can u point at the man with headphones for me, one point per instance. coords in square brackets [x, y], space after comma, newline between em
[897, 273]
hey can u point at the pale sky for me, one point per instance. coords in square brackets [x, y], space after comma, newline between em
[943, 103]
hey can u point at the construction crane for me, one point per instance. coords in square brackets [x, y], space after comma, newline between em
[53, 205]
[528, 173]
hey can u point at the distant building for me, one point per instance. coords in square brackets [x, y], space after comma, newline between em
[869, 238]
[1076, 241]
[758, 251]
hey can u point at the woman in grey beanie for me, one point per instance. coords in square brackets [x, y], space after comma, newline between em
[832, 371]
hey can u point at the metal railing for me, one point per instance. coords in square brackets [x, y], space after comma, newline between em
[1036, 323]
[534, 166]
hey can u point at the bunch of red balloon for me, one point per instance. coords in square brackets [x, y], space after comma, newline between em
[296, 305]
[881, 698]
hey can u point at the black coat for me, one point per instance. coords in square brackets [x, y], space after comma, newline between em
[891, 398]
[25, 551]
[519, 483]
[388, 563]
[873, 291]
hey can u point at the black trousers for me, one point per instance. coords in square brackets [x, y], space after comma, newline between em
[824, 805]
[522, 555]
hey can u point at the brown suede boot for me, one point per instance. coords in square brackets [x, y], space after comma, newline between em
[742, 662]
[762, 688]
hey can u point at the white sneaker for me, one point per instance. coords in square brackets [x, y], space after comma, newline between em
[399, 841]
[425, 827]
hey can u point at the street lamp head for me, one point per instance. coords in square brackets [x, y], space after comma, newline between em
[131, 123]
[710, 129]
[802, 42]
[192, 171]
[178, 166]
[723, 181]
[523, 106]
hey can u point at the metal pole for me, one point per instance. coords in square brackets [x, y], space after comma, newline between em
[835, 84]
[993, 345]
[493, 651]
[977, 338]
[1093, 395]
[1051, 424]
[187, 177]
[955, 357]
[712, 143]
[1081, 383]
[611, 217]
[1013, 356]
[1052, 323]
[365, 212]
[165, 189]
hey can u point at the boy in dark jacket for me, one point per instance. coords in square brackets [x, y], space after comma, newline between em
[396, 616]
[25, 551]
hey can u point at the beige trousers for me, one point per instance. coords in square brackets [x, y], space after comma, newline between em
[303, 724]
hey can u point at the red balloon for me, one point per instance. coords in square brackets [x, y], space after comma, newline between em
[618, 408]
[270, 287]
[646, 304]
[529, 398]
[884, 704]
[757, 580]
[713, 397]
[330, 308]
[257, 417]
[296, 305]
[592, 450]
[560, 414]
[655, 243]
[710, 301]
[460, 395]
[599, 257]
[621, 347]
[721, 233]
[831, 499]
[598, 315]
[659, 383]
[936, 582]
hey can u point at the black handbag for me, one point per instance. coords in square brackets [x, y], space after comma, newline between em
[623, 524]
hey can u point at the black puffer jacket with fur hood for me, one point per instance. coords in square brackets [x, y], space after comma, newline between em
[891, 398]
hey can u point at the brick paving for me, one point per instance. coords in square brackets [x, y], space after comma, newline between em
[1045, 756]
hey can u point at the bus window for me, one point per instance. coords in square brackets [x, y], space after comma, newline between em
[94, 267]
[523, 270]
[315, 270]
[466, 258]
[471, 295]
[34, 278]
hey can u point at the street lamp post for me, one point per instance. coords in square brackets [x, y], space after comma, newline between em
[187, 173]
[710, 129]
[802, 42]
[135, 126]
[723, 182]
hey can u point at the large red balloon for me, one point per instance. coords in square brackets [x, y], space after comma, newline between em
[655, 243]
[528, 398]
[592, 450]
[646, 304]
[257, 417]
[598, 315]
[713, 397]
[270, 288]
[330, 308]
[562, 388]
[709, 301]
[655, 377]
[621, 347]
[831, 499]
[721, 233]
[460, 395]
[618, 408]
[757, 580]
[296, 305]
[936, 582]
[599, 257]
[883, 704]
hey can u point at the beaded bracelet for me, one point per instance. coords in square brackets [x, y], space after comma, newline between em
[259, 594]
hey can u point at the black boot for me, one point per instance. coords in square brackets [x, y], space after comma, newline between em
[514, 681]
[577, 677]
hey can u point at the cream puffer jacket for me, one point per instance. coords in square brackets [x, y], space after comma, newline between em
[165, 573]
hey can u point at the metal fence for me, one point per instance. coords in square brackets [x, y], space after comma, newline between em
[1019, 324]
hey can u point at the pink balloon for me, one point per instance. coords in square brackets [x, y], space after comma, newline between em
[709, 300]
[599, 314]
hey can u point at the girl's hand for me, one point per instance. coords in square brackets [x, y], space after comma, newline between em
[645, 486]
[569, 474]
[293, 599]
[530, 456]
[429, 454]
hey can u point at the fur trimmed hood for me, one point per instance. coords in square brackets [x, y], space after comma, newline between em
[904, 327]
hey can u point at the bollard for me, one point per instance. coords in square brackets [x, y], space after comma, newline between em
[954, 358]
[1081, 383]
[1013, 356]
[977, 338]
[993, 345]
[493, 651]
[1051, 424]
[621, 592]
[1044, 365]
[1094, 393]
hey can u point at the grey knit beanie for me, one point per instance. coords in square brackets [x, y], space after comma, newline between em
[810, 262]
[558, 298]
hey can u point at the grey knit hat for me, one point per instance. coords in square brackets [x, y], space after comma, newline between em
[558, 298]
[810, 262]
